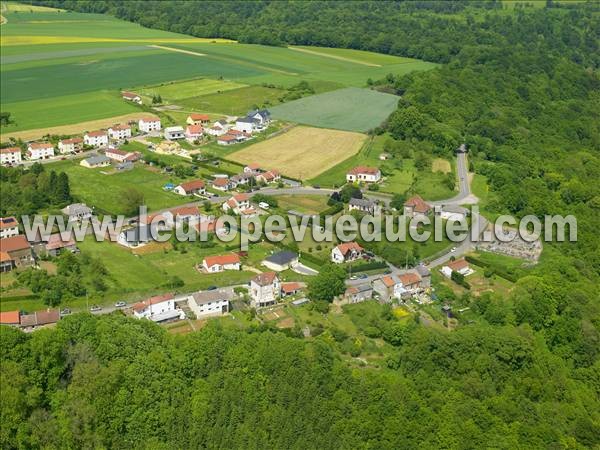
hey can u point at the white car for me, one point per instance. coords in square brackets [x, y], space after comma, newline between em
[453, 249]
[264, 205]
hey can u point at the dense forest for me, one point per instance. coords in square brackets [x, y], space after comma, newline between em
[521, 88]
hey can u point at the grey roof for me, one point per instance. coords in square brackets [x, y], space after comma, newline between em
[282, 258]
[264, 113]
[363, 202]
[124, 165]
[77, 209]
[247, 120]
[202, 298]
[222, 121]
[135, 234]
[423, 271]
[97, 159]
[364, 288]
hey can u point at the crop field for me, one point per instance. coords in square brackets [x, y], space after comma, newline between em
[191, 88]
[350, 109]
[302, 152]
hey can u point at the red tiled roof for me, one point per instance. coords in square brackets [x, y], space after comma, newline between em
[241, 197]
[115, 151]
[192, 185]
[227, 138]
[129, 94]
[8, 222]
[72, 141]
[418, 204]
[10, 318]
[290, 287]
[5, 151]
[253, 166]
[264, 279]
[206, 225]
[40, 318]
[203, 117]
[150, 119]
[185, 211]
[459, 264]
[5, 257]
[221, 260]
[409, 278]
[97, 133]
[364, 170]
[349, 246]
[55, 241]
[194, 129]
[40, 145]
[140, 306]
[14, 243]
[220, 182]
[120, 126]
[388, 281]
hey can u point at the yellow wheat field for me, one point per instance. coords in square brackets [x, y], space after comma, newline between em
[302, 152]
[37, 40]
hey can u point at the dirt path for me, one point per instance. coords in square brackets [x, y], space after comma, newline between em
[178, 50]
[341, 58]
[30, 135]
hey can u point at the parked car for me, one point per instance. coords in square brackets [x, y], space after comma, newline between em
[95, 308]
[453, 249]
[65, 312]
[211, 288]
[362, 276]
[120, 305]
[264, 205]
[354, 277]
[316, 186]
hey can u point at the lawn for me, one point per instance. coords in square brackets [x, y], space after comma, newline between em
[306, 204]
[302, 152]
[105, 192]
[350, 109]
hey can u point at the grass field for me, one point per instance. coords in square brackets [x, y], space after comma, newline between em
[106, 191]
[356, 56]
[350, 109]
[306, 204]
[302, 152]
[191, 88]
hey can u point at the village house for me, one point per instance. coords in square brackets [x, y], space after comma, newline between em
[227, 139]
[10, 156]
[158, 309]
[159, 221]
[364, 174]
[115, 154]
[219, 263]
[239, 204]
[411, 283]
[193, 132]
[357, 294]
[97, 138]
[197, 119]
[149, 124]
[72, 145]
[460, 265]
[40, 150]
[281, 261]
[9, 226]
[222, 184]
[185, 214]
[195, 187]
[264, 289]
[132, 97]
[39, 319]
[10, 318]
[208, 225]
[210, 303]
[425, 275]
[56, 244]
[388, 287]
[119, 132]
[77, 212]
[291, 288]
[348, 251]
[364, 205]
[246, 125]
[416, 206]
[268, 177]
[219, 128]
[242, 178]
[452, 213]
[261, 117]
[174, 133]
[15, 252]
[252, 168]
[135, 237]
[95, 161]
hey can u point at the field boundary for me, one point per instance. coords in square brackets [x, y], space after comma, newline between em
[178, 50]
[339, 58]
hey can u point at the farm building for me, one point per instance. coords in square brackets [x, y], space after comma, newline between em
[219, 263]
[119, 132]
[10, 156]
[72, 145]
[96, 138]
[363, 174]
[95, 161]
[131, 97]
[39, 319]
[149, 124]
[40, 150]
[9, 226]
[191, 188]
[174, 133]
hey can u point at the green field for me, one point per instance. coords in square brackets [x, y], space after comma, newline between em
[350, 109]
[59, 68]
[105, 192]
